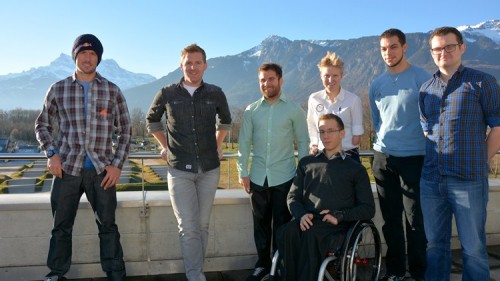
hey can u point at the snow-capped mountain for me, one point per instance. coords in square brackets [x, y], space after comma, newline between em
[27, 89]
[237, 74]
[64, 66]
[490, 29]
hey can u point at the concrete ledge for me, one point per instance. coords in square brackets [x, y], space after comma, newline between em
[149, 234]
[148, 229]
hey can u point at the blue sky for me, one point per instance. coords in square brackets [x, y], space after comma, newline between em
[147, 36]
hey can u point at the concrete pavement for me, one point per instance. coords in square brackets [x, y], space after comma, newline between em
[241, 275]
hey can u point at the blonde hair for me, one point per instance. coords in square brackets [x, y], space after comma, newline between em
[331, 59]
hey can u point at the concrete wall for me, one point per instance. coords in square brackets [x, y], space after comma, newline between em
[149, 234]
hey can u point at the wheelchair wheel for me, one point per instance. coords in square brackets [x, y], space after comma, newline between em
[363, 254]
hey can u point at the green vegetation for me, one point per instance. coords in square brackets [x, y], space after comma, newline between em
[152, 181]
[138, 186]
[3, 184]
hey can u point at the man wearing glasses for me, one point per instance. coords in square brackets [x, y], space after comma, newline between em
[456, 106]
[320, 215]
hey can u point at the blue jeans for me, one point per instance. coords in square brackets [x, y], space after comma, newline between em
[192, 196]
[467, 200]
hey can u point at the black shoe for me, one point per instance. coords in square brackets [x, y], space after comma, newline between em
[259, 274]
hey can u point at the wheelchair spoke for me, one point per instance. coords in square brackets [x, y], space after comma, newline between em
[363, 255]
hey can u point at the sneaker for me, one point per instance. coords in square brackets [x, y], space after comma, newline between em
[392, 278]
[259, 274]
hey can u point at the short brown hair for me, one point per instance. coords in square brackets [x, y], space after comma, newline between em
[272, 66]
[394, 32]
[331, 116]
[442, 31]
[193, 48]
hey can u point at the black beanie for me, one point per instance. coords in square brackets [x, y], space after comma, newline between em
[87, 42]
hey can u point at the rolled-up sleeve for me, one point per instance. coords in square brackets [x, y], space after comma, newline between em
[155, 113]
[223, 113]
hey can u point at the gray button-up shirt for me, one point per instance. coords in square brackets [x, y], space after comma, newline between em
[191, 122]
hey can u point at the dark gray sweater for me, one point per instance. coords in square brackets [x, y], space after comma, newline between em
[338, 184]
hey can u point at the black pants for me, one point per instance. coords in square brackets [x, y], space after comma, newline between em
[270, 211]
[302, 252]
[398, 187]
[65, 198]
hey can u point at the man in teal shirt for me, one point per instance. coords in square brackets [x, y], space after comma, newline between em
[271, 125]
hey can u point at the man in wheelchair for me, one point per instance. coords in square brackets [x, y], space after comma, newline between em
[330, 191]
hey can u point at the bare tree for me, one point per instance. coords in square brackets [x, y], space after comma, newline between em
[367, 138]
[18, 124]
[237, 116]
[138, 122]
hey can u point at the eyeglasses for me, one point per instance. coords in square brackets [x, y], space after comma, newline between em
[328, 132]
[448, 48]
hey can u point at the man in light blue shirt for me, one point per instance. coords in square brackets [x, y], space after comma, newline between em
[272, 126]
[399, 149]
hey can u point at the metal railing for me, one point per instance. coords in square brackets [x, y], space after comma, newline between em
[229, 156]
[155, 155]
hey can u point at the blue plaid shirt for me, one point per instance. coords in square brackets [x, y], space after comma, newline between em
[456, 115]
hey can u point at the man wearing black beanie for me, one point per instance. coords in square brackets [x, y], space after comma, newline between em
[88, 109]
[87, 42]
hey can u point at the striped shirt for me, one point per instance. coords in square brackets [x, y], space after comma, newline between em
[456, 115]
[83, 132]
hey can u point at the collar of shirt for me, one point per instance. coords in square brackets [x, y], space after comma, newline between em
[341, 154]
[282, 98]
[339, 97]
[437, 74]
[181, 82]
[97, 78]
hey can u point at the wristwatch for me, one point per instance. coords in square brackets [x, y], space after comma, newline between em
[51, 153]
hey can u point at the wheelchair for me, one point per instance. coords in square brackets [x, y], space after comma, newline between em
[359, 257]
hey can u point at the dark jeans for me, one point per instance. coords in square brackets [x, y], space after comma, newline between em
[398, 187]
[65, 198]
[268, 207]
[302, 252]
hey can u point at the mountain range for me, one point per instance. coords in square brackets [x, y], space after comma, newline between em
[27, 89]
[237, 74]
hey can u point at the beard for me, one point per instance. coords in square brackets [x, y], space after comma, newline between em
[396, 63]
[271, 93]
